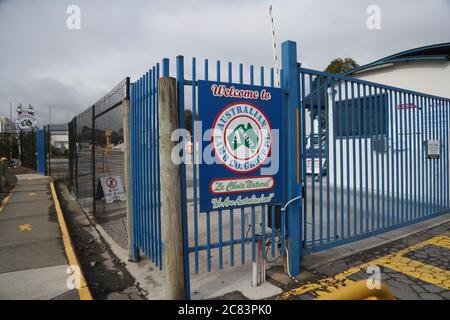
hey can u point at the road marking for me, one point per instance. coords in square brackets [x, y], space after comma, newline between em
[413, 268]
[5, 201]
[31, 194]
[395, 261]
[83, 290]
[24, 227]
[418, 269]
[444, 243]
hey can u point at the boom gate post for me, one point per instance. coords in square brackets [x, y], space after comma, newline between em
[291, 202]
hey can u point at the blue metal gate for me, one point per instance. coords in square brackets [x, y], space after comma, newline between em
[372, 157]
[225, 237]
[41, 156]
[212, 239]
[360, 159]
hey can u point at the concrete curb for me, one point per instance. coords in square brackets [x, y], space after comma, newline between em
[83, 288]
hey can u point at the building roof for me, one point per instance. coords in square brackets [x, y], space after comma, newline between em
[58, 127]
[435, 52]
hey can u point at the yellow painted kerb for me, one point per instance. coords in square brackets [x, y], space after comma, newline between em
[5, 201]
[83, 290]
[395, 261]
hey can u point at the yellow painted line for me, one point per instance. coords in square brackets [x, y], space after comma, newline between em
[25, 227]
[413, 268]
[83, 290]
[324, 285]
[395, 261]
[5, 201]
[444, 243]
[418, 269]
[31, 194]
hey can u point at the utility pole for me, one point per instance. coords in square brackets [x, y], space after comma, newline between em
[49, 115]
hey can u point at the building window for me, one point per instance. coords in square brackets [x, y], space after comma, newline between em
[370, 122]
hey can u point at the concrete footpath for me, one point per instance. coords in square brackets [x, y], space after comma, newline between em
[34, 246]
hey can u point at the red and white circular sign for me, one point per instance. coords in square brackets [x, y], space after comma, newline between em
[111, 183]
[242, 137]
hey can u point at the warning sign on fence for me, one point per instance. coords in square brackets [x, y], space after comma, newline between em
[434, 149]
[245, 123]
[112, 189]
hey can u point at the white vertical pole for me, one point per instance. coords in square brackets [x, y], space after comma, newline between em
[274, 46]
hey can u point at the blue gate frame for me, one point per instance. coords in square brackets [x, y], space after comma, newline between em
[365, 170]
[370, 170]
[231, 225]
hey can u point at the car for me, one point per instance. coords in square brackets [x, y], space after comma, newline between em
[317, 152]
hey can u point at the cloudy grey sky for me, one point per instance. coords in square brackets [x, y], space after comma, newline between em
[44, 63]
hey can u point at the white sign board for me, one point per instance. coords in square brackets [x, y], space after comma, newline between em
[26, 121]
[434, 149]
[112, 189]
[316, 165]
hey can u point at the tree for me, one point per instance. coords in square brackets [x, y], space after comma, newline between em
[188, 120]
[336, 66]
[341, 66]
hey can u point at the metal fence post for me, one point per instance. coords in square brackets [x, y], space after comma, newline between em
[21, 146]
[41, 163]
[133, 252]
[94, 209]
[290, 86]
[48, 153]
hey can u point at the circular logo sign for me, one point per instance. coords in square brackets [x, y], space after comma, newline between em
[242, 137]
[111, 183]
[26, 121]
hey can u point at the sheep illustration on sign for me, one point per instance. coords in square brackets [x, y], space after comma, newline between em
[242, 119]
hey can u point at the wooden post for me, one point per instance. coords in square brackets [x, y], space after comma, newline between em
[170, 191]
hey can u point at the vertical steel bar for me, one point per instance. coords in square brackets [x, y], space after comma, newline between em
[208, 214]
[319, 134]
[383, 127]
[158, 170]
[194, 161]
[303, 158]
[312, 157]
[327, 154]
[220, 211]
[353, 171]
[335, 186]
[347, 159]
[185, 229]
[377, 154]
[360, 138]
[341, 156]
[366, 155]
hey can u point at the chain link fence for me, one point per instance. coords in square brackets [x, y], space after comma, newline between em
[96, 154]
[57, 151]
[19, 148]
